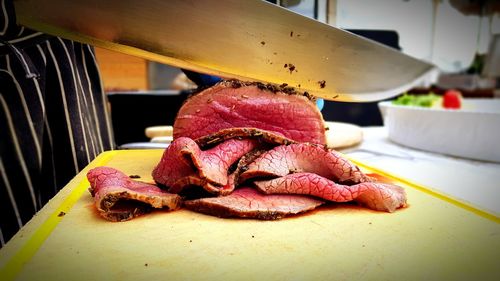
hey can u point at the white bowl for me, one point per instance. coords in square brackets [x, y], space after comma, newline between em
[471, 132]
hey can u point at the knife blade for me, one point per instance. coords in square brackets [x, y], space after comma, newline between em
[247, 40]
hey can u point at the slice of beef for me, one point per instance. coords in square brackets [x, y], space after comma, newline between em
[305, 157]
[263, 136]
[241, 166]
[213, 164]
[183, 163]
[233, 104]
[173, 166]
[376, 196]
[118, 198]
[249, 203]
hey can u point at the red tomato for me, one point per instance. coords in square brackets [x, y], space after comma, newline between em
[452, 99]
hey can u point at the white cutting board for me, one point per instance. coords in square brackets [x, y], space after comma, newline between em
[434, 238]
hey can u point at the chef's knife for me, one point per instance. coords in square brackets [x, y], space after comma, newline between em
[249, 40]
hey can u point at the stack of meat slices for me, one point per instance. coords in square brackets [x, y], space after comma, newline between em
[244, 149]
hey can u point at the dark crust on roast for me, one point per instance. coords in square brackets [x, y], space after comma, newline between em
[248, 158]
[123, 215]
[242, 132]
[141, 207]
[269, 87]
[241, 166]
[118, 216]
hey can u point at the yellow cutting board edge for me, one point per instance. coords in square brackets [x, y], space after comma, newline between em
[187, 245]
[431, 191]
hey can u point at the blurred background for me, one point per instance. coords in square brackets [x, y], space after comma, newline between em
[461, 37]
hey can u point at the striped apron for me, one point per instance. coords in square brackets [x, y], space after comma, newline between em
[53, 118]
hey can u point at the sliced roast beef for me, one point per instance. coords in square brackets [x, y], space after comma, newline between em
[233, 104]
[249, 203]
[305, 157]
[376, 196]
[118, 198]
[237, 132]
[241, 166]
[183, 163]
[173, 166]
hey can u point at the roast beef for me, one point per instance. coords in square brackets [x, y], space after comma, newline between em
[241, 166]
[118, 198]
[305, 157]
[262, 136]
[184, 164]
[249, 203]
[236, 135]
[206, 161]
[232, 179]
[234, 104]
[376, 196]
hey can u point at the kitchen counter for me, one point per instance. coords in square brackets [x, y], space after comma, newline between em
[435, 238]
[474, 182]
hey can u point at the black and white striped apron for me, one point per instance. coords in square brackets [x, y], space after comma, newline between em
[53, 118]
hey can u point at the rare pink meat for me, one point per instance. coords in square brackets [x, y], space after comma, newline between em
[233, 178]
[305, 157]
[183, 164]
[376, 196]
[249, 203]
[239, 134]
[118, 198]
[233, 104]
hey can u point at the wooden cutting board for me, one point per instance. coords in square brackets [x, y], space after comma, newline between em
[338, 135]
[435, 238]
